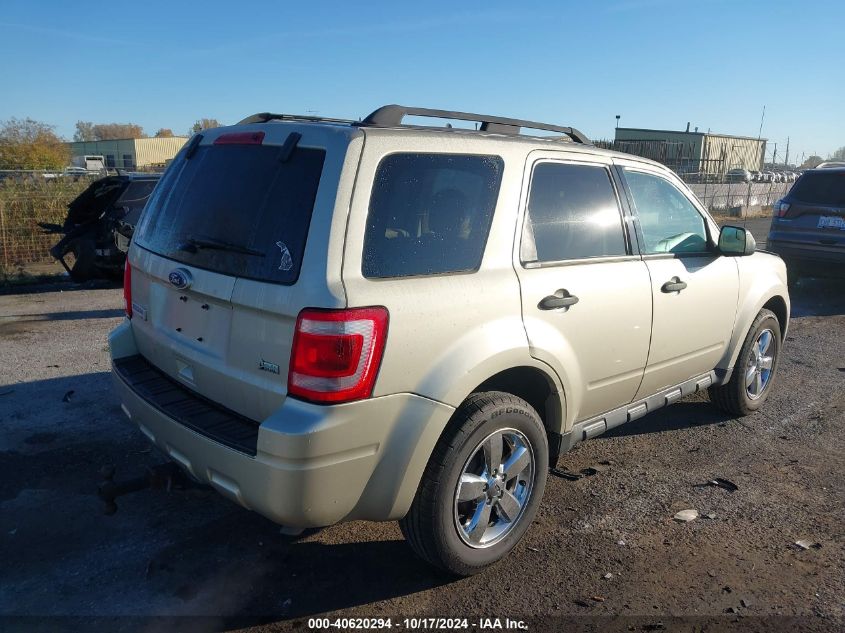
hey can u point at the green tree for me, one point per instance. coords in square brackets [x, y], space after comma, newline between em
[164, 132]
[84, 131]
[30, 144]
[838, 154]
[204, 124]
[811, 162]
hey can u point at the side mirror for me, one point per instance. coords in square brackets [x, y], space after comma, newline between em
[736, 241]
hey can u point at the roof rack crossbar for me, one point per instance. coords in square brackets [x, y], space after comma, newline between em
[263, 117]
[392, 116]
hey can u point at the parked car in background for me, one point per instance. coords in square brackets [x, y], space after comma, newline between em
[98, 226]
[768, 176]
[371, 320]
[808, 225]
[89, 163]
[738, 175]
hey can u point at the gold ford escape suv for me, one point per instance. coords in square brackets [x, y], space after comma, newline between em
[333, 320]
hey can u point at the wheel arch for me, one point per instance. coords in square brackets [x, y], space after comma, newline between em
[530, 380]
[539, 390]
[771, 299]
[777, 305]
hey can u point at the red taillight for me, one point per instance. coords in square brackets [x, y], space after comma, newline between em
[127, 288]
[240, 138]
[781, 208]
[336, 354]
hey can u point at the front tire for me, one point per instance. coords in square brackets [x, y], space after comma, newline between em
[755, 368]
[482, 486]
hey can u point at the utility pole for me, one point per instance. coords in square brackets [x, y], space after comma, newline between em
[786, 160]
[775, 157]
[760, 133]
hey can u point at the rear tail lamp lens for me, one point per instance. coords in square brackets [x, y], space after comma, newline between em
[336, 354]
[781, 208]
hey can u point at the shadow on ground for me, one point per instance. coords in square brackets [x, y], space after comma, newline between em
[818, 297]
[681, 415]
[163, 553]
[62, 284]
[69, 316]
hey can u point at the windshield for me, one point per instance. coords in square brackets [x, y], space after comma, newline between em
[242, 196]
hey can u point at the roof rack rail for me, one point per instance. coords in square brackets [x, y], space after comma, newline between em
[392, 116]
[263, 117]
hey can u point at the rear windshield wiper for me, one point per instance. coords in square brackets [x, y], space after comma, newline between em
[193, 244]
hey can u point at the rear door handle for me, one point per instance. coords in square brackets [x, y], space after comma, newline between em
[560, 299]
[673, 285]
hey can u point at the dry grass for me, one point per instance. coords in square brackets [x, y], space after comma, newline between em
[23, 203]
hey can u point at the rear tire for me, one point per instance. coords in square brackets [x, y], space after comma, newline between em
[467, 515]
[753, 374]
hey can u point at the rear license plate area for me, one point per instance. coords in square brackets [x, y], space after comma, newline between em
[832, 222]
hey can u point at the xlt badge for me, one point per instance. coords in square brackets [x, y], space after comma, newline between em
[264, 365]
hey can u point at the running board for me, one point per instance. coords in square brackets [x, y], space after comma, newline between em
[601, 423]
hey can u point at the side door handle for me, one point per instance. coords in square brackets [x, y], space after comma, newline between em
[560, 299]
[673, 285]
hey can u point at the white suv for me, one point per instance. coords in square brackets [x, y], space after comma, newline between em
[334, 320]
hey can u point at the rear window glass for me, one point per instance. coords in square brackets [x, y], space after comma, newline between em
[430, 214]
[135, 197]
[136, 194]
[235, 209]
[821, 188]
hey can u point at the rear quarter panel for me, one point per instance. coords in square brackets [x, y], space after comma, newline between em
[447, 333]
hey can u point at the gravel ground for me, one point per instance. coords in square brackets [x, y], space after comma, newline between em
[604, 553]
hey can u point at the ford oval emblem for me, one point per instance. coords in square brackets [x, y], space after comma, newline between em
[180, 278]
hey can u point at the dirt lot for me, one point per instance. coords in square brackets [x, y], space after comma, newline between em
[196, 554]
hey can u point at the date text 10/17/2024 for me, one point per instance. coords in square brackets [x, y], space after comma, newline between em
[417, 624]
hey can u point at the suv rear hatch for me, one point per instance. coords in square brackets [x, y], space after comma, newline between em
[812, 215]
[218, 262]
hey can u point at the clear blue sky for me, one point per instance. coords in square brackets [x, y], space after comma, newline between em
[657, 63]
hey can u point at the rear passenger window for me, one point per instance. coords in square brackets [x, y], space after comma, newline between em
[572, 214]
[430, 214]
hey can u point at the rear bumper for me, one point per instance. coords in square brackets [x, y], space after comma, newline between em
[822, 261]
[314, 465]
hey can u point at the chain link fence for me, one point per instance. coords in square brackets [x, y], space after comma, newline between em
[30, 197]
[754, 198]
[27, 198]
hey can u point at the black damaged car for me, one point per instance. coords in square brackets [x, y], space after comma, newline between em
[99, 226]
